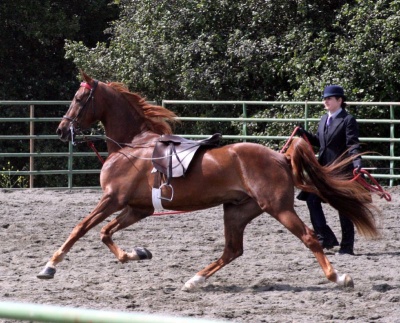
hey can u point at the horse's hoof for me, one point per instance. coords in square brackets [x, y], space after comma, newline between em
[47, 273]
[143, 253]
[348, 282]
[345, 280]
[187, 287]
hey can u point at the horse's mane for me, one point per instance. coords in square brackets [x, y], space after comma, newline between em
[158, 118]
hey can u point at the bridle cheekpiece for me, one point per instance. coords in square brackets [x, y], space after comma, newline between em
[81, 108]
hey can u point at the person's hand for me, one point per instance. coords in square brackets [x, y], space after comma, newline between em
[300, 131]
[357, 168]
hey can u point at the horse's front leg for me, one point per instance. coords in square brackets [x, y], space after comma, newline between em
[104, 208]
[127, 217]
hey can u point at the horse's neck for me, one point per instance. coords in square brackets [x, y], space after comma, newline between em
[122, 125]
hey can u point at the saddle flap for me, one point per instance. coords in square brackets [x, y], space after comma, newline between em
[172, 154]
[179, 159]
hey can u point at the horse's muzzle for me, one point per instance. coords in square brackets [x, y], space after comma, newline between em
[64, 134]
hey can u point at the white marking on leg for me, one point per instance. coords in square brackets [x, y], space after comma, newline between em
[194, 282]
[51, 263]
[133, 255]
[341, 279]
[344, 280]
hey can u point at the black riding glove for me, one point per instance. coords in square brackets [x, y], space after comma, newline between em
[357, 165]
[300, 132]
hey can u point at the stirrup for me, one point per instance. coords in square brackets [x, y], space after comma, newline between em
[172, 192]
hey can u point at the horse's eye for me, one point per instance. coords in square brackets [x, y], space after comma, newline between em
[79, 98]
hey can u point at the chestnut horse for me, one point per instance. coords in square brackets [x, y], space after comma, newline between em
[246, 178]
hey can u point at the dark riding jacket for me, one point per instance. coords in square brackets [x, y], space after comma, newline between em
[341, 135]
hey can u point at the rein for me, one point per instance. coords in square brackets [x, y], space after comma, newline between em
[358, 174]
[375, 187]
[91, 145]
[290, 139]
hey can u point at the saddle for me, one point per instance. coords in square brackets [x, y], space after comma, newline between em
[172, 154]
[171, 158]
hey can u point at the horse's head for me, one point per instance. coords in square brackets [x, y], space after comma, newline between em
[81, 113]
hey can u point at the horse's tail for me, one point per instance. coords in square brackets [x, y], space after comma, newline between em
[333, 185]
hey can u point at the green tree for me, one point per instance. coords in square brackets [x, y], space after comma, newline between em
[33, 36]
[218, 50]
[359, 49]
[33, 67]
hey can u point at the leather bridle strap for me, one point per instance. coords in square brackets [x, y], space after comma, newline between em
[86, 85]
[90, 97]
[81, 108]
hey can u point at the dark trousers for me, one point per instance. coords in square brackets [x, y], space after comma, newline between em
[322, 229]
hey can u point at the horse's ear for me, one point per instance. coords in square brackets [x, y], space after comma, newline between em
[86, 77]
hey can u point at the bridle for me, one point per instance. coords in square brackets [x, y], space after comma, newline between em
[74, 123]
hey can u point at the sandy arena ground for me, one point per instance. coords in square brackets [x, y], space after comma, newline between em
[276, 280]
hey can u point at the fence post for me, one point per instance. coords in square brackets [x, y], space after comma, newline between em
[31, 145]
[245, 122]
[70, 164]
[392, 135]
[305, 115]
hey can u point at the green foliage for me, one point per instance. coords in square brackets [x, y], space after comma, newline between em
[192, 50]
[33, 66]
[7, 180]
[33, 35]
[359, 49]
[252, 50]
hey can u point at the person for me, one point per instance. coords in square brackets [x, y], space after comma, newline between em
[337, 133]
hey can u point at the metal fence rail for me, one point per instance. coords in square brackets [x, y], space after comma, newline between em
[70, 154]
[53, 314]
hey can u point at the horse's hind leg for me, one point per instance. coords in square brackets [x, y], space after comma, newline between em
[294, 224]
[127, 217]
[104, 208]
[236, 217]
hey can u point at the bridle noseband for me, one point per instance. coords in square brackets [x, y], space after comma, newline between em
[81, 109]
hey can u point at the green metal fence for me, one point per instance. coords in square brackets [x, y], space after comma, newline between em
[51, 313]
[70, 154]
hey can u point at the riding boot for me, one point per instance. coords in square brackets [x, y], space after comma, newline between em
[329, 239]
[347, 243]
[324, 233]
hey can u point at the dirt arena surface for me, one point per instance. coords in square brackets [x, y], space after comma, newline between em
[276, 280]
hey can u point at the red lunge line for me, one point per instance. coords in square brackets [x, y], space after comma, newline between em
[91, 145]
[375, 187]
[290, 139]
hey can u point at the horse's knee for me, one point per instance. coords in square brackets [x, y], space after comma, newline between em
[311, 241]
[104, 236]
